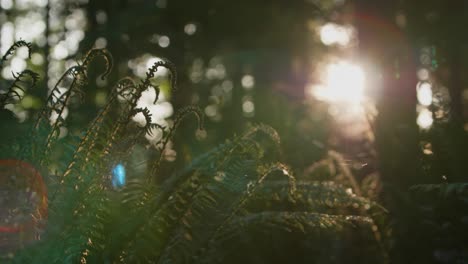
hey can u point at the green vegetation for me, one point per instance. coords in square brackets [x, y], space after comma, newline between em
[329, 131]
[234, 198]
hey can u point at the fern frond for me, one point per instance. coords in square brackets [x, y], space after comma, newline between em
[229, 187]
[320, 197]
[16, 91]
[265, 129]
[180, 115]
[93, 54]
[308, 237]
[149, 125]
[191, 194]
[58, 101]
[245, 196]
[127, 89]
[87, 146]
[216, 158]
[146, 83]
[18, 44]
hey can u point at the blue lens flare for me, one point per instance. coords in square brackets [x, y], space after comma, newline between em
[118, 175]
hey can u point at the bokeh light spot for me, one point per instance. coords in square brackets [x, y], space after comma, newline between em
[190, 29]
[424, 119]
[424, 93]
[334, 34]
[248, 81]
[164, 41]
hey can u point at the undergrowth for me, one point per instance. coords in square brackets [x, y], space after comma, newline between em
[232, 204]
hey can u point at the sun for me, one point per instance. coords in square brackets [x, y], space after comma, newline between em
[341, 82]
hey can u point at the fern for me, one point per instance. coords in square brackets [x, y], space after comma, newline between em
[18, 44]
[227, 198]
[285, 236]
[18, 88]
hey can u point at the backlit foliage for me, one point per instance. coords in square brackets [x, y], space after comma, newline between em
[234, 203]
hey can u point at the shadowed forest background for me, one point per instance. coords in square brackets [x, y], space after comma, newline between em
[312, 131]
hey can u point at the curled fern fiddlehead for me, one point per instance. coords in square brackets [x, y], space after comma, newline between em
[132, 94]
[15, 91]
[127, 89]
[180, 115]
[58, 101]
[18, 87]
[94, 53]
[146, 83]
[149, 125]
[13, 48]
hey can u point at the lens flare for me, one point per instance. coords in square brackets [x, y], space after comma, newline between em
[23, 205]
[118, 176]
